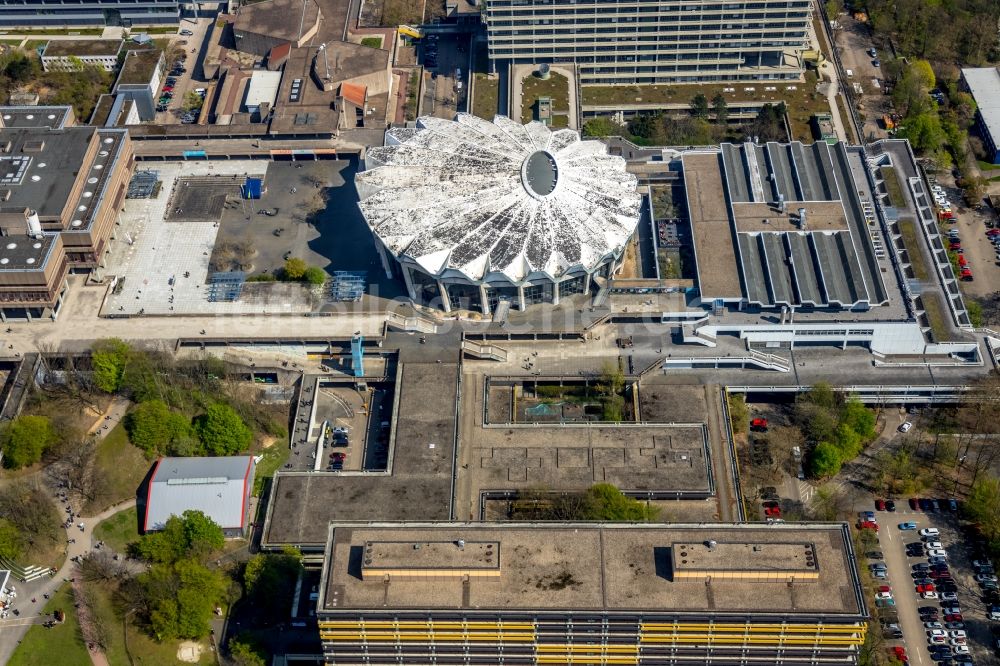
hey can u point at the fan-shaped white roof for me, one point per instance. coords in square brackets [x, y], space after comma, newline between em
[479, 197]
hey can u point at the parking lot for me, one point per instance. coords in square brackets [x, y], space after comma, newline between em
[979, 251]
[444, 59]
[955, 600]
[193, 47]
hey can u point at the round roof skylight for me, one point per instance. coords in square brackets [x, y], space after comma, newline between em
[35, 178]
[92, 180]
[42, 165]
[11, 246]
[37, 246]
[52, 116]
[87, 195]
[77, 223]
[109, 140]
[6, 116]
[98, 167]
[4, 260]
[103, 153]
[81, 208]
[30, 117]
[30, 260]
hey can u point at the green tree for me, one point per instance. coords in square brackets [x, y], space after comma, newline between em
[314, 275]
[25, 439]
[109, 358]
[294, 268]
[190, 535]
[180, 598]
[833, 9]
[924, 131]
[193, 101]
[155, 429]
[699, 106]
[983, 507]
[922, 70]
[246, 652]
[221, 430]
[605, 502]
[825, 460]
[720, 108]
[858, 418]
[270, 581]
[11, 541]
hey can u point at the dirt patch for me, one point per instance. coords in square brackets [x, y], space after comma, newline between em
[189, 652]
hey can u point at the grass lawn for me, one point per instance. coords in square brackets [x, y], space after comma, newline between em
[912, 244]
[60, 645]
[845, 118]
[373, 42]
[124, 465]
[893, 187]
[119, 530]
[56, 31]
[274, 457]
[486, 96]
[802, 103]
[936, 317]
[986, 166]
[532, 87]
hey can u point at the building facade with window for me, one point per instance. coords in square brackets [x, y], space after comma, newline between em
[590, 593]
[62, 14]
[641, 42]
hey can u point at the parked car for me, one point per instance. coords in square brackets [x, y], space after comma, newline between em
[879, 505]
[904, 426]
[890, 505]
[930, 531]
[186, 32]
[908, 526]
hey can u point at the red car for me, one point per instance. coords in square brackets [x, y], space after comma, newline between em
[884, 588]
[993, 232]
[772, 510]
[953, 617]
[339, 456]
[758, 425]
[925, 588]
[915, 504]
[899, 653]
[962, 261]
[954, 246]
[880, 505]
[867, 525]
[167, 88]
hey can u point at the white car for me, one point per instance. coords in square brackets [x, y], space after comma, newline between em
[929, 531]
[949, 596]
[933, 544]
[883, 595]
[937, 632]
[959, 633]
[933, 625]
[957, 641]
[960, 649]
[929, 595]
[904, 426]
[937, 552]
[937, 640]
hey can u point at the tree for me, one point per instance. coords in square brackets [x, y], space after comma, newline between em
[221, 430]
[833, 9]
[193, 101]
[109, 358]
[155, 429]
[314, 275]
[191, 535]
[859, 419]
[699, 106]
[246, 652]
[739, 415]
[270, 582]
[294, 268]
[983, 507]
[644, 125]
[720, 108]
[825, 460]
[606, 502]
[11, 542]
[25, 439]
[28, 506]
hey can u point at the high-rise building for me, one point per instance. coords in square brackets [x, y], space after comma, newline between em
[58, 13]
[654, 41]
[588, 593]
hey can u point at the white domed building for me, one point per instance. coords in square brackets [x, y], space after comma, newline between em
[471, 212]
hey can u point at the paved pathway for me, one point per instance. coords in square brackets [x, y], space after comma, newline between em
[33, 596]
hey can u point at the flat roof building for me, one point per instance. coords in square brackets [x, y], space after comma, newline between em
[260, 26]
[781, 226]
[61, 188]
[70, 55]
[984, 84]
[518, 593]
[661, 42]
[139, 80]
[218, 487]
